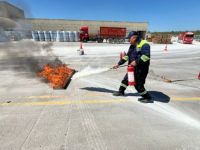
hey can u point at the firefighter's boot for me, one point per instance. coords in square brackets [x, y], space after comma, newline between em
[120, 92]
[146, 98]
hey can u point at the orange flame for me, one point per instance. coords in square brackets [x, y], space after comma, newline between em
[56, 76]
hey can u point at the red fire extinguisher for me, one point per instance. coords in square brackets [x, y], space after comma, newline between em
[131, 77]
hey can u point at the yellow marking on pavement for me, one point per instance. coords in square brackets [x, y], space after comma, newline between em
[68, 102]
[186, 98]
[36, 97]
[65, 102]
[44, 96]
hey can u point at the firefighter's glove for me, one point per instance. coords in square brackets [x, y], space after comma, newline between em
[116, 66]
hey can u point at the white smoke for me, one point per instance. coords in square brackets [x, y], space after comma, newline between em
[26, 55]
[89, 71]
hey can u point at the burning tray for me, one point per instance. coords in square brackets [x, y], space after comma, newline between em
[58, 76]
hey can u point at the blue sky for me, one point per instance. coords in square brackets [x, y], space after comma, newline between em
[162, 15]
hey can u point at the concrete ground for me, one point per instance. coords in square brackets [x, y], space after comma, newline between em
[86, 116]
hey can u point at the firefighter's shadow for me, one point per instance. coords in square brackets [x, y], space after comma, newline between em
[160, 96]
[98, 89]
[157, 95]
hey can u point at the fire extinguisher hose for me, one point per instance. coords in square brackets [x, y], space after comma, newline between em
[121, 66]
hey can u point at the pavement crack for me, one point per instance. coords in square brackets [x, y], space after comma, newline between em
[92, 132]
[32, 128]
[64, 147]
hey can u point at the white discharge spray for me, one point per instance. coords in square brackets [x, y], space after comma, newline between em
[175, 114]
[89, 71]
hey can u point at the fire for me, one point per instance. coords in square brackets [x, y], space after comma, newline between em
[57, 76]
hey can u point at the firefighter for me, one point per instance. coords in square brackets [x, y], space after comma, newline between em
[138, 56]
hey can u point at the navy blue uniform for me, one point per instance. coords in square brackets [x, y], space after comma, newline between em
[141, 54]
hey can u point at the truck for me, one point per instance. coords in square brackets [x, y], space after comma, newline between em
[186, 37]
[110, 34]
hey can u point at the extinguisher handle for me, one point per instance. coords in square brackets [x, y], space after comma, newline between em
[123, 66]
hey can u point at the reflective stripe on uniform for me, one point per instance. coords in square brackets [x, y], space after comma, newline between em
[125, 58]
[143, 93]
[144, 58]
[123, 85]
[139, 45]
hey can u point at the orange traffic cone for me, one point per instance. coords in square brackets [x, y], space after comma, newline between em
[122, 54]
[165, 49]
[81, 50]
[81, 45]
[199, 76]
